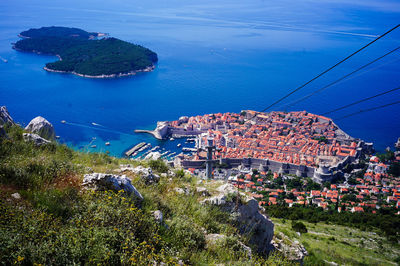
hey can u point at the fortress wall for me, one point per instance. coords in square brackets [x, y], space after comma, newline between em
[267, 165]
[183, 132]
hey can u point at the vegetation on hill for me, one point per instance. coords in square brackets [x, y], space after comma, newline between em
[58, 32]
[332, 244]
[81, 55]
[57, 222]
[386, 221]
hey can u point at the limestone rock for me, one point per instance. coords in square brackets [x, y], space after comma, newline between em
[147, 174]
[158, 216]
[292, 250]
[42, 127]
[5, 117]
[215, 200]
[250, 221]
[171, 173]
[227, 188]
[16, 196]
[101, 182]
[150, 178]
[179, 190]
[38, 140]
[202, 191]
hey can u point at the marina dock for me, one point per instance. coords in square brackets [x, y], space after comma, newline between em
[135, 148]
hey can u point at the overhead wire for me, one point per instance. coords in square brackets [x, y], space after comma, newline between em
[330, 68]
[360, 101]
[341, 78]
[368, 110]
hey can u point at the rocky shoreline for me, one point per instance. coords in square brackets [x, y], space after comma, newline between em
[132, 73]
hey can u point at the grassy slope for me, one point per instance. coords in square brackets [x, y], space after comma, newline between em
[56, 222]
[340, 244]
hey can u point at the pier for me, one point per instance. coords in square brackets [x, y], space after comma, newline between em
[135, 148]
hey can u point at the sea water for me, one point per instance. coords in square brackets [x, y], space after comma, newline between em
[214, 56]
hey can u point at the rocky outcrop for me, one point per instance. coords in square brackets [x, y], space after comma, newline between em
[202, 191]
[147, 174]
[179, 190]
[150, 178]
[5, 117]
[42, 127]
[249, 220]
[38, 140]
[102, 182]
[292, 250]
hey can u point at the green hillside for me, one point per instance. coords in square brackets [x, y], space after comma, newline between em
[57, 222]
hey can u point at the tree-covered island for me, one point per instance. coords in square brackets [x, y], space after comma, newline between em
[86, 53]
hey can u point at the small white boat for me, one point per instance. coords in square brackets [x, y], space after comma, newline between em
[93, 146]
[63, 121]
[171, 139]
[57, 137]
[95, 124]
[107, 143]
[178, 145]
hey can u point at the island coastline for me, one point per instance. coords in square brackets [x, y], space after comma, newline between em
[132, 73]
[72, 43]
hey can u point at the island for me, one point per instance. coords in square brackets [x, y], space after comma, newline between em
[87, 54]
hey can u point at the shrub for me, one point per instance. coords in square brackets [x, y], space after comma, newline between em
[158, 165]
[299, 227]
[106, 228]
[187, 235]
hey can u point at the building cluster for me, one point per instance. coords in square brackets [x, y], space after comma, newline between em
[373, 190]
[295, 138]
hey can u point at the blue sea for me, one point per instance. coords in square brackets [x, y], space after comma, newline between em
[214, 56]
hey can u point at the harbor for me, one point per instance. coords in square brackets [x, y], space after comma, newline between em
[135, 148]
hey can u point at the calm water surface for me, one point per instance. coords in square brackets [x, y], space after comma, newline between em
[214, 56]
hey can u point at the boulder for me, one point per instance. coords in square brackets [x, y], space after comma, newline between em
[42, 127]
[217, 200]
[179, 190]
[158, 216]
[227, 189]
[249, 220]
[147, 174]
[102, 182]
[202, 191]
[150, 178]
[5, 117]
[38, 140]
[16, 196]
